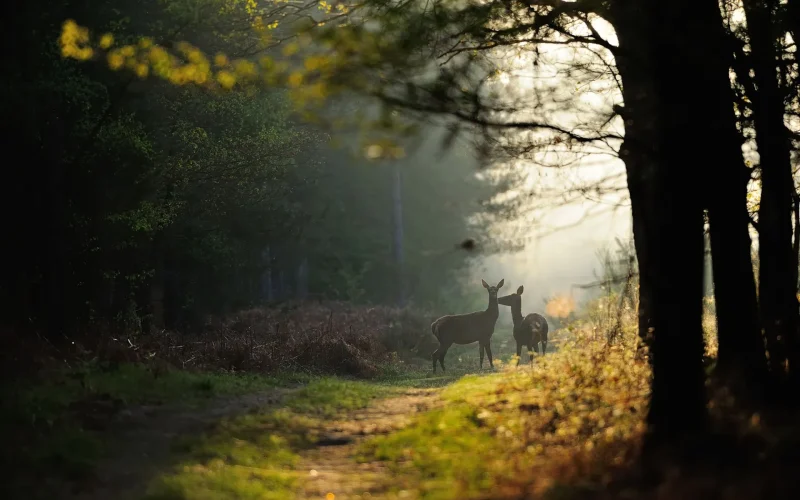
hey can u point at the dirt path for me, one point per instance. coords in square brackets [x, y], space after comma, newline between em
[330, 467]
[144, 436]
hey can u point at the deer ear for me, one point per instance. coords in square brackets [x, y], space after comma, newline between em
[485, 285]
[500, 285]
[520, 289]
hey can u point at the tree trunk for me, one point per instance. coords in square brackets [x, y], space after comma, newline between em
[678, 403]
[667, 210]
[777, 292]
[633, 63]
[741, 349]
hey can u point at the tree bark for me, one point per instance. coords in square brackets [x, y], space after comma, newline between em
[654, 55]
[777, 292]
[638, 114]
[741, 348]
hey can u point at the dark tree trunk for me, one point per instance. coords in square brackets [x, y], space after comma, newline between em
[666, 204]
[796, 250]
[633, 63]
[777, 291]
[741, 349]
[683, 79]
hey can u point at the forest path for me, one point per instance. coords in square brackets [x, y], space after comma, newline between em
[143, 441]
[142, 438]
[331, 466]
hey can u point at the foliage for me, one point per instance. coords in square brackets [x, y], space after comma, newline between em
[154, 205]
[246, 457]
[576, 413]
[252, 456]
[55, 424]
[326, 397]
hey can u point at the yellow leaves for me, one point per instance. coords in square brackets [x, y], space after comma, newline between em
[560, 306]
[290, 49]
[115, 60]
[315, 62]
[106, 41]
[245, 69]
[142, 70]
[221, 60]
[309, 84]
[226, 79]
[295, 79]
[73, 41]
[330, 496]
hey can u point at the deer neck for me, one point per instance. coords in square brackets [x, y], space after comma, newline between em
[492, 310]
[516, 315]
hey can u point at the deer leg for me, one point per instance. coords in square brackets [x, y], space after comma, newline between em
[480, 348]
[519, 352]
[442, 351]
[488, 348]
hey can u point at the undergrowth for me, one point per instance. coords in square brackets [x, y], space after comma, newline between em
[525, 430]
[252, 456]
[55, 423]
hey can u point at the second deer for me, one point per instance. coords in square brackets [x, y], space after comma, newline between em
[467, 328]
[528, 330]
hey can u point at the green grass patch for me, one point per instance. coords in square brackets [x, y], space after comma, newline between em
[54, 423]
[447, 453]
[253, 456]
[248, 457]
[325, 397]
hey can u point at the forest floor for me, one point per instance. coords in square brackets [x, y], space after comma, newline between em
[278, 443]
[132, 434]
[567, 426]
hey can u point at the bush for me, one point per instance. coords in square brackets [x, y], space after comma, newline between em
[325, 338]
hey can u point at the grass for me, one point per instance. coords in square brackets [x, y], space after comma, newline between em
[575, 414]
[325, 397]
[252, 456]
[249, 457]
[444, 454]
[559, 426]
[56, 423]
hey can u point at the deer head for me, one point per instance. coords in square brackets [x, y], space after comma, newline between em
[513, 300]
[493, 289]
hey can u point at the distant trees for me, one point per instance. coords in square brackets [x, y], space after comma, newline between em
[691, 83]
[137, 203]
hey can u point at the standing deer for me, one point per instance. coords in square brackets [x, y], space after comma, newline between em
[467, 328]
[528, 331]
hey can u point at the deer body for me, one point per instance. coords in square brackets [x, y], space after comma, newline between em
[530, 330]
[467, 328]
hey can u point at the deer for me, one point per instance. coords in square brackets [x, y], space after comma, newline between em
[467, 328]
[528, 331]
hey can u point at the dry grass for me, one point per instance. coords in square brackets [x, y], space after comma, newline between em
[332, 338]
[573, 417]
